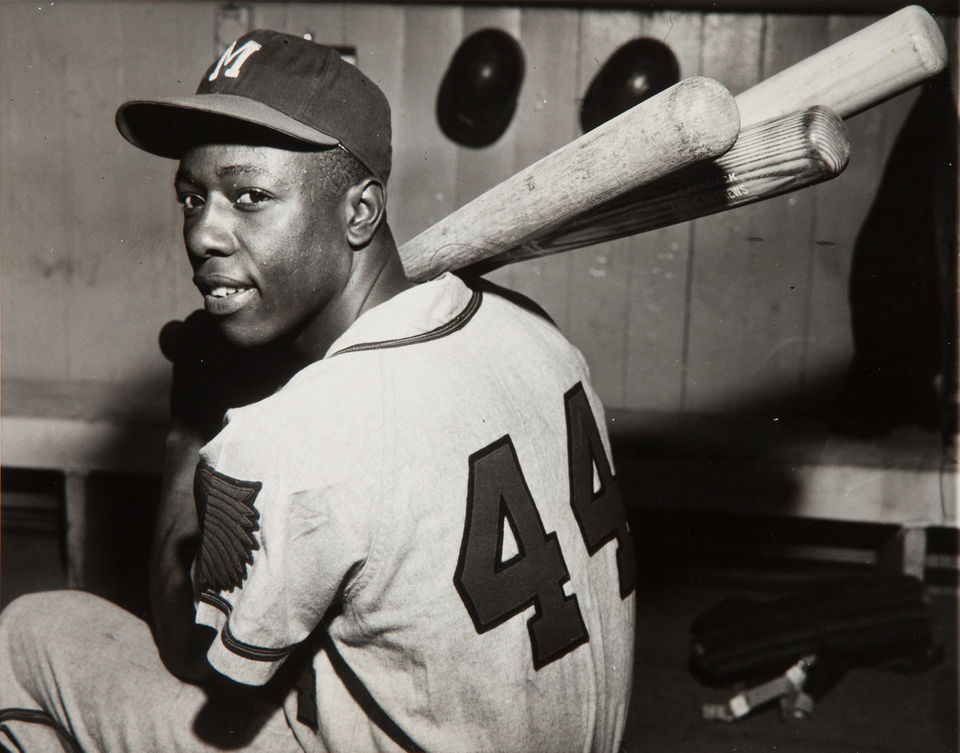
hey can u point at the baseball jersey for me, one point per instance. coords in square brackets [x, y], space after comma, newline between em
[437, 495]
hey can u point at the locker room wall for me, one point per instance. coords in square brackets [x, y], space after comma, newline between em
[727, 313]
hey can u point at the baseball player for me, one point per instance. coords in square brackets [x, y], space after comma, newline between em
[416, 543]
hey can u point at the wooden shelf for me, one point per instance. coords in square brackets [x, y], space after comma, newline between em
[783, 467]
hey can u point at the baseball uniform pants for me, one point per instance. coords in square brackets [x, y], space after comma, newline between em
[78, 673]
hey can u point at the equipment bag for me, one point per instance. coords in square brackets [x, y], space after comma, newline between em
[850, 623]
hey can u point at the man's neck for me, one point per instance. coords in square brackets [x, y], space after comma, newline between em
[376, 277]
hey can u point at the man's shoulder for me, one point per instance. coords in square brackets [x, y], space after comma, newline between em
[322, 391]
[325, 423]
[512, 297]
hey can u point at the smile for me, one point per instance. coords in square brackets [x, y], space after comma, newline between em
[222, 299]
[223, 291]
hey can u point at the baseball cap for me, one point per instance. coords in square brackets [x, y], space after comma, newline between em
[266, 79]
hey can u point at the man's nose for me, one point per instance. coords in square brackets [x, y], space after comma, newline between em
[210, 231]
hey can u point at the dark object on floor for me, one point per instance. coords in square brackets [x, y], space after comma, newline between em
[634, 72]
[478, 94]
[790, 689]
[882, 621]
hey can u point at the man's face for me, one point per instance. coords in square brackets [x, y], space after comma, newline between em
[265, 240]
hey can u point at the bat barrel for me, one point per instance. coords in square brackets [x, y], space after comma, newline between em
[855, 73]
[769, 159]
[695, 120]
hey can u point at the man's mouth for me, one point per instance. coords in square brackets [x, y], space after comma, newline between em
[224, 291]
[222, 297]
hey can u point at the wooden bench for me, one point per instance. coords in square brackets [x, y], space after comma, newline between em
[790, 467]
[77, 429]
[664, 461]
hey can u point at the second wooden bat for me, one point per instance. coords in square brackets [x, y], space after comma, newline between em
[769, 159]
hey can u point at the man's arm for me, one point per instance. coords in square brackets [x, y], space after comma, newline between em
[209, 376]
[182, 643]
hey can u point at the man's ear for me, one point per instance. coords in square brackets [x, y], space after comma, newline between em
[365, 204]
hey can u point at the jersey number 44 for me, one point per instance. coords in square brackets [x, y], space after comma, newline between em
[492, 589]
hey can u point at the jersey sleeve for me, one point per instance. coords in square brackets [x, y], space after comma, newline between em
[283, 535]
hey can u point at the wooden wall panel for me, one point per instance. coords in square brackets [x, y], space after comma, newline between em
[424, 188]
[600, 274]
[719, 322]
[144, 278]
[377, 33]
[323, 21]
[37, 255]
[842, 205]
[546, 119]
[793, 218]
[768, 268]
[102, 258]
[658, 265]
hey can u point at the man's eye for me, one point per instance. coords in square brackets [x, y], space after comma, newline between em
[252, 197]
[191, 202]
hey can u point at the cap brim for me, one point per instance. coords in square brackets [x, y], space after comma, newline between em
[168, 127]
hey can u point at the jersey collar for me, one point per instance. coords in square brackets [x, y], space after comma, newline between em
[424, 312]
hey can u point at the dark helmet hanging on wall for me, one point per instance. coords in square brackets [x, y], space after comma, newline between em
[634, 72]
[478, 94]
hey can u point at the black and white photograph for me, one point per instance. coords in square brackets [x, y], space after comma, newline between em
[479, 377]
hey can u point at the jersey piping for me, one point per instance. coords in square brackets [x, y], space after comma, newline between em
[249, 651]
[215, 601]
[234, 644]
[458, 322]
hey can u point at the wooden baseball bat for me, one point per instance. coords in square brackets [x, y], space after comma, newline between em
[855, 73]
[769, 159]
[694, 120]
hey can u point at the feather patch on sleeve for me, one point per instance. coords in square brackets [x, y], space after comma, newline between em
[228, 520]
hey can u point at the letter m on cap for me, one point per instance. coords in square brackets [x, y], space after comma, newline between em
[231, 61]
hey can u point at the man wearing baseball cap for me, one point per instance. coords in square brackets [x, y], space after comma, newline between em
[412, 539]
